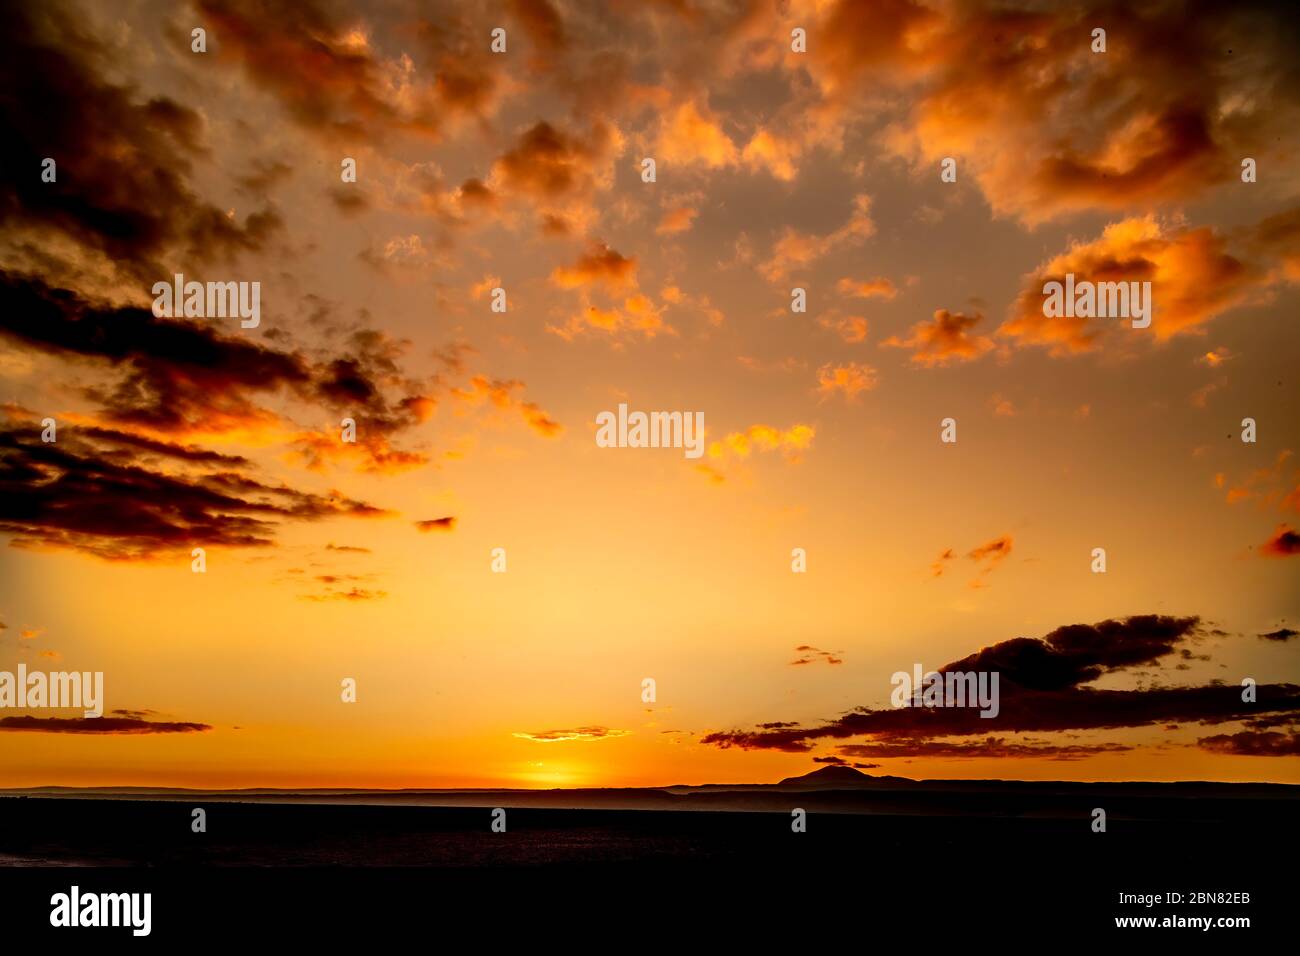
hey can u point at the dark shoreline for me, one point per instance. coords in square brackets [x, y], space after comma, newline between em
[1014, 861]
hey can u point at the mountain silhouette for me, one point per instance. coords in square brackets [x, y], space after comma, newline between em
[838, 777]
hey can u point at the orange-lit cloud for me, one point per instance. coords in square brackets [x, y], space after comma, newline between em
[777, 154]
[791, 442]
[502, 395]
[945, 340]
[576, 733]
[879, 288]
[676, 220]
[600, 264]
[1046, 127]
[1193, 278]
[851, 328]
[811, 655]
[851, 380]
[691, 135]
[796, 250]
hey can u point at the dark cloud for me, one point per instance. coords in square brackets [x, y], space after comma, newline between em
[1080, 653]
[190, 453]
[1281, 634]
[99, 725]
[1046, 126]
[352, 549]
[437, 524]
[263, 176]
[123, 162]
[998, 747]
[351, 594]
[1040, 690]
[1284, 543]
[335, 84]
[994, 550]
[542, 24]
[1250, 743]
[547, 163]
[179, 376]
[348, 199]
[77, 493]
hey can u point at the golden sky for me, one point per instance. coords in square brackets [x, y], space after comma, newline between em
[775, 169]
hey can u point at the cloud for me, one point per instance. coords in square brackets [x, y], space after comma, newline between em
[1284, 543]
[989, 747]
[879, 288]
[122, 193]
[792, 442]
[1002, 406]
[990, 555]
[945, 340]
[605, 269]
[437, 524]
[811, 655]
[351, 594]
[939, 565]
[1042, 688]
[636, 313]
[331, 78]
[1253, 744]
[851, 379]
[691, 135]
[182, 377]
[1271, 486]
[543, 26]
[501, 394]
[702, 305]
[850, 328]
[346, 548]
[796, 250]
[1282, 634]
[577, 733]
[1047, 128]
[676, 220]
[1215, 357]
[99, 725]
[600, 264]
[779, 155]
[91, 494]
[557, 171]
[1193, 275]
[994, 551]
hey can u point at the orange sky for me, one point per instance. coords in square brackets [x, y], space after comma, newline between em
[523, 170]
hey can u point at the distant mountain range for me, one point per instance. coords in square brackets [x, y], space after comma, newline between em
[834, 789]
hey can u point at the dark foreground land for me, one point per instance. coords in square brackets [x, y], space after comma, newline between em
[1004, 860]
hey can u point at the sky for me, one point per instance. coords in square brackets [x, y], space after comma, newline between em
[783, 160]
